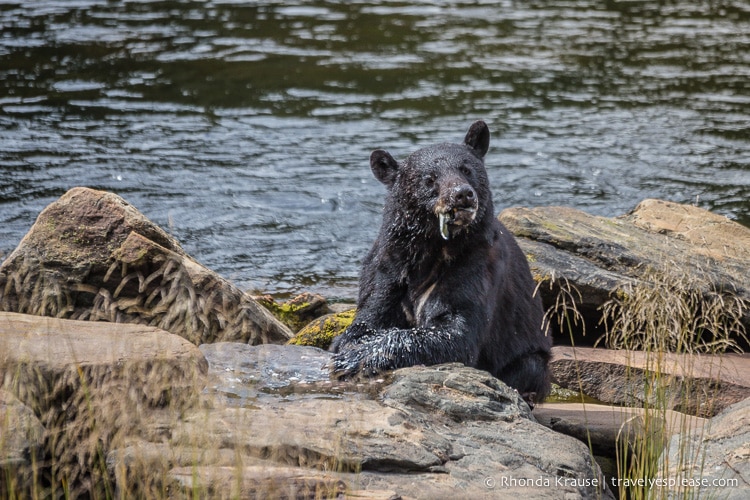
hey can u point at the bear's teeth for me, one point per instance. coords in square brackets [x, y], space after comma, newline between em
[444, 218]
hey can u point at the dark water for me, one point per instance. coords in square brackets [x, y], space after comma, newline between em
[244, 127]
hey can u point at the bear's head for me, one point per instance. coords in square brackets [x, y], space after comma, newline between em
[441, 188]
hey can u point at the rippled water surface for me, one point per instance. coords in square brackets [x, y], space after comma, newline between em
[244, 127]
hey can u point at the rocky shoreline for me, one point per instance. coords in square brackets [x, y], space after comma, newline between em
[130, 369]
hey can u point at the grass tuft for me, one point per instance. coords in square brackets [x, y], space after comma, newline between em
[658, 315]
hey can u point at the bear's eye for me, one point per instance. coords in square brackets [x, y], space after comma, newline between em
[429, 180]
[466, 170]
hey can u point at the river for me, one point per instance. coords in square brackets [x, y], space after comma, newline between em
[244, 127]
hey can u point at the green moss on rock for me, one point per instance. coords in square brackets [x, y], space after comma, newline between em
[297, 312]
[321, 332]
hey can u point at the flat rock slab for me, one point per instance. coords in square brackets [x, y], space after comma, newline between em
[40, 355]
[701, 385]
[55, 344]
[277, 425]
[598, 255]
[90, 383]
[603, 426]
[92, 256]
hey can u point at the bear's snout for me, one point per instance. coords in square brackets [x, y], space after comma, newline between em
[456, 199]
[463, 197]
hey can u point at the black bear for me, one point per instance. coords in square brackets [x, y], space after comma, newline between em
[445, 281]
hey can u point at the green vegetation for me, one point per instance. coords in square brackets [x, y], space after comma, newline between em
[661, 316]
[665, 315]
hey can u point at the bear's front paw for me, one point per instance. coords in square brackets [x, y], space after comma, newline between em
[346, 364]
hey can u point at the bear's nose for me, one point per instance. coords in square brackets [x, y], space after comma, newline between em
[463, 196]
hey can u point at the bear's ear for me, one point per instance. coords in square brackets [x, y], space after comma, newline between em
[384, 167]
[478, 138]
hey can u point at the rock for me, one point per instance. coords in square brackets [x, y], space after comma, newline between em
[321, 332]
[609, 430]
[718, 462]
[21, 446]
[700, 385]
[265, 368]
[275, 424]
[298, 311]
[90, 384]
[603, 426]
[260, 482]
[92, 256]
[598, 255]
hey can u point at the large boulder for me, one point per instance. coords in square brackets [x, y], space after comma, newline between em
[274, 424]
[92, 256]
[598, 255]
[90, 384]
[717, 464]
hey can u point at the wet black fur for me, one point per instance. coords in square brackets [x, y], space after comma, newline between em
[482, 310]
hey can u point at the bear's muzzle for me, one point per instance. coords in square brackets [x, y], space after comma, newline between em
[458, 208]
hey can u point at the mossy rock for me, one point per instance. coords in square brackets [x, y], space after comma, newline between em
[321, 332]
[297, 312]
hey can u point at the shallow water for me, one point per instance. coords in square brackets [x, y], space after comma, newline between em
[244, 128]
